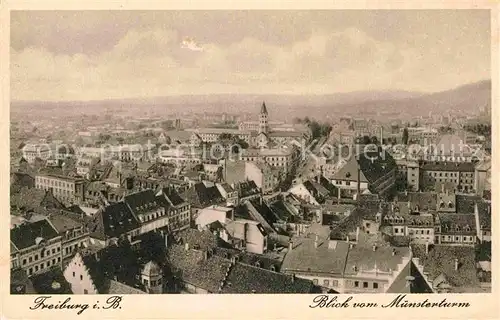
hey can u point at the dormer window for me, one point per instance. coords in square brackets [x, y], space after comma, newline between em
[450, 205]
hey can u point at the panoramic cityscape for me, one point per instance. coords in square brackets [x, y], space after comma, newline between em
[237, 152]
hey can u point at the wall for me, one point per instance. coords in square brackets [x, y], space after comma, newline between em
[77, 275]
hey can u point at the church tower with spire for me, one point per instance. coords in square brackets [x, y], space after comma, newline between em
[263, 119]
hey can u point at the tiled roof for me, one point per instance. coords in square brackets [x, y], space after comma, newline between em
[452, 223]
[30, 199]
[242, 278]
[19, 180]
[113, 221]
[201, 196]
[25, 235]
[246, 188]
[173, 196]
[202, 240]
[441, 259]
[116, 287]
[51, 282]
[426, 201]
[484, 212]
[192, 267]
[63, 222]
[448, 166]
[20, 283]
[466, 203]
[142, 201]
[325, 258]
[418, 283]
[363, 258]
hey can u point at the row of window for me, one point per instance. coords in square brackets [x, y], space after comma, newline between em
[365, 285]
[42, 255]
[54, 183]
[42, 266]
[327, 283]
[456, 238]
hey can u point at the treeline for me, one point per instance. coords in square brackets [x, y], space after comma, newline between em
[317, 129]
[479, 128]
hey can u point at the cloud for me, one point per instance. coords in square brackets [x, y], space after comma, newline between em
[156, 62]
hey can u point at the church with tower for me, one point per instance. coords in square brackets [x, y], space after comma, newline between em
[258, 134]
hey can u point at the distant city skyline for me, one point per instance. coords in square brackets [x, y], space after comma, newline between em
[92, 55]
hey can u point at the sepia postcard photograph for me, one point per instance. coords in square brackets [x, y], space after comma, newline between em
[324, 153]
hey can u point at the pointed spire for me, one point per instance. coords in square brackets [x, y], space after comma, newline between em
[263, 109]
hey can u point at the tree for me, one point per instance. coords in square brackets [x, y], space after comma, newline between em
[405, 136]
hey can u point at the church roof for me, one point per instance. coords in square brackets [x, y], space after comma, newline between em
[263, 109]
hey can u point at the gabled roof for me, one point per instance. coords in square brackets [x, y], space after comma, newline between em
[25, 235]
[192, 267]
[305, 257]
[113, 221]
[142, 201]
[242, 278]
[201, 196]
[31, 199]
[410, 280]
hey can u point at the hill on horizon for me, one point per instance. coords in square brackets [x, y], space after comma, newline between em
[469, 97]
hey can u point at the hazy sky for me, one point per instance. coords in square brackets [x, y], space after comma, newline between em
[85, 55]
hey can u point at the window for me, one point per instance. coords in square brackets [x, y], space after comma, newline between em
[36, 268]
[42, 266]
[73, 274]
[365, 284]
[30, 259]
[24, 262]
[356, 284]
[81, 277]
[58, 259]
[30, 271]
[326, 283]
[375, 285]
[85, 291]
[36, 257]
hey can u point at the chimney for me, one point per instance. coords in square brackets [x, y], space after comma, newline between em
[442, 188]
[338, 196]
[374, 247]
[357, 234]
[290, 245]
[409, 204]
[347, 239]
[186, 246]
[406, 192]
[456, 264]
[293, 278]
[427, 248]
[316, 241]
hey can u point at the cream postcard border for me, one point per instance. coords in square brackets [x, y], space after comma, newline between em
[483, 306]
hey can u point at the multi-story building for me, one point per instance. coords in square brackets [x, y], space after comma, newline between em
[65, 189]
[275, 157]
[179, 210]
[263, 136]
[35, 247]
[263, 176]
[347, 267]
[372, 172]
[482, 177]
[72, 229]
[460, 174]
[456, 229]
